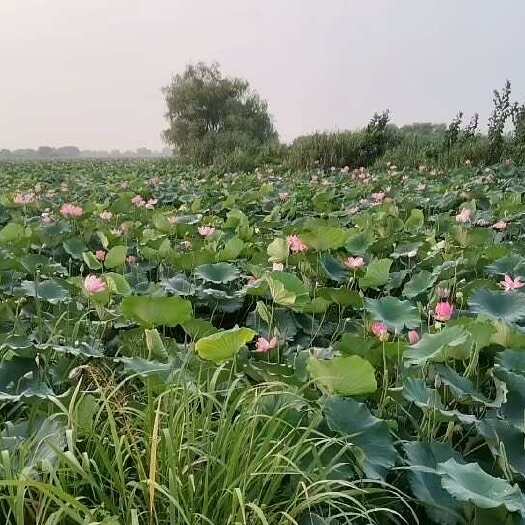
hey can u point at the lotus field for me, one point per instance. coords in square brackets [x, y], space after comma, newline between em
[180, 346]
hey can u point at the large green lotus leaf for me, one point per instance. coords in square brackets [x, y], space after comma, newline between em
[325, 238]
[147, 368]
[31, 443]
[355, 422]
[422, 459]
[418, 283]
[359, 242]
[155, 345]
[426, 398]
[117, 283]
[512, 360]
[232, 249]
[407, 250]
[50, 291]
[509, 307]
[464, 389]
[19, 379]
[81, 348]
[513, 409]
[436, 347]
[198, 328]
[180, 285]
[116, 257]
[415, 221]
[222, 346]
[218, 273]
[91, 260]
[469, 483]
[278, 250]
[11, 232]
[344, 375]
[513, 265]
[287, 289]
[75, 247]
[341, 296]
[377, 274]
[333, 268]
[417, 391]
[157, 311]
[394, 313]
[505, 442]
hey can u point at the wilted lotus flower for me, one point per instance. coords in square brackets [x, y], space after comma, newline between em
[444, 311]
[278, 267]
[206, 231]
[138, 201]
[253, 281]
[172, 219]
[24, 198]
[46, 218]
[100, 255]
[71, 211]
[413, 337]
[380, 330]
[464, 216]
[131, 259]
[354, 263]
[296, 245]
[468, 162]
[263, 345]
[284, 195]
[106, 215]
[124, 184]
[510, 284]
[94, 285]
[378, 196]
[500, 225]
[443, 293]
[186, 245]
[151, 203]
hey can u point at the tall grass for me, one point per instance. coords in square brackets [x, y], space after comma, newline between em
[211, 451]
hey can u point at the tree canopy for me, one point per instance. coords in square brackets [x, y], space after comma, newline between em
[211, 115]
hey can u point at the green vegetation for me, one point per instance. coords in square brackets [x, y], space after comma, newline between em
[186, 346]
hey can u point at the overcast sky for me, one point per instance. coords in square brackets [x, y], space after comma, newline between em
[89, 72]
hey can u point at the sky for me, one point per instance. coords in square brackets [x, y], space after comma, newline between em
[89, 72]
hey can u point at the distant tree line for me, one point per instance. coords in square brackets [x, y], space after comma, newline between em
[72, 152]
[213, 119]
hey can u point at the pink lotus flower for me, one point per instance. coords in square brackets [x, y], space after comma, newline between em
[354, 263]
[296, 245]
[206, 231]
[106, 215]
[380, 330]
[464, 216]
[94, 285]
[138, 201]
[263, 345]
[71, 211]
[100, 255]
[509, 284]
[413, 337]
[444, 311]
[277, 267]
[500, 225]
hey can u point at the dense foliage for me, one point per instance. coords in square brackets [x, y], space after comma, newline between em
[311, 347]
[211, 116]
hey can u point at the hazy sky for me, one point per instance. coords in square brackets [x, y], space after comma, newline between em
[89, 72]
